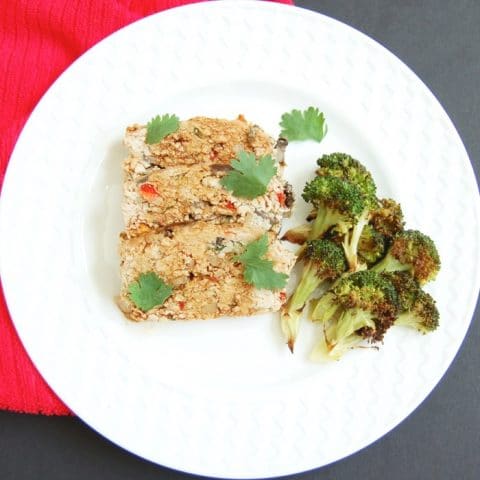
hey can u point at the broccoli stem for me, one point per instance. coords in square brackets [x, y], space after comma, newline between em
[298, 234]
[309, 282]
[290, 322]
[326, 351]
[325, 219]
[320, 351]
[347, 343]
[408, 320]
[350, 242]
[390, 264]
[325, 308]
[340, 336]
[351, 321]
[290, 316]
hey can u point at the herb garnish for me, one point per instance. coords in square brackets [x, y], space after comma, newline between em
[149, 291]
[258, 270]
[307, 125]
[161, 126]
[249, 178]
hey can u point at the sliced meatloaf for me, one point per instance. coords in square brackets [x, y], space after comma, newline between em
[197, 259]
[178, 179]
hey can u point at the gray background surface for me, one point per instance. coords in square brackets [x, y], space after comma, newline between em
[440, 41]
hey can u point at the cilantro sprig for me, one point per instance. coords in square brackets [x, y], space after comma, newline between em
[258, 271]
[161, 126]
[307, 125]
[149, 291]
[249, 178]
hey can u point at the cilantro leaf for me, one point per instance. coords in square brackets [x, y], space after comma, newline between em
[149, 291]
[249, 179]
[262, 275]
[259, 271]
[254, 250]
[307, 125]
[161, 126]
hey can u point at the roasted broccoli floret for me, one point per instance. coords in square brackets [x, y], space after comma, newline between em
[387, 217]
[362, 305]
[371, 246]
[337, 201]
[343, 197]
[385, 221]
[351, 170]
[423, 316]
[417, 308]
[342, 205]
[344, 166]
[406, 287]
[411, 251]
[323, 260]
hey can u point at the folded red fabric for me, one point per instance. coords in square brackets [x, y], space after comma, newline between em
[39, 39]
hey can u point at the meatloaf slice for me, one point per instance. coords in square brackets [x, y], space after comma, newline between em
[166, 196]
[197, 259]
[200, 140]
[178, 179]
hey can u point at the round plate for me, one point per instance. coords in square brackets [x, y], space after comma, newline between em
[225, 397]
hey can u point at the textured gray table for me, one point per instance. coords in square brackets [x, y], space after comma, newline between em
[440, 41]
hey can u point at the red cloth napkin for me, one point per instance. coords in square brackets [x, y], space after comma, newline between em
[39, 39]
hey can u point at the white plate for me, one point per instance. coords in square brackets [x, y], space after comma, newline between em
[225, 397]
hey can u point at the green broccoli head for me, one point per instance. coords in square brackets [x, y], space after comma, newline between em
[371, 245]
[364, 303]
[369, 291]
[326, 258]
[387, 218]
[337, 201]
[343, 196]
[417, 309]
[406, 286]
[348, 168]
[423, 315]
[336, 194]
[323, 260]
[412, 251]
